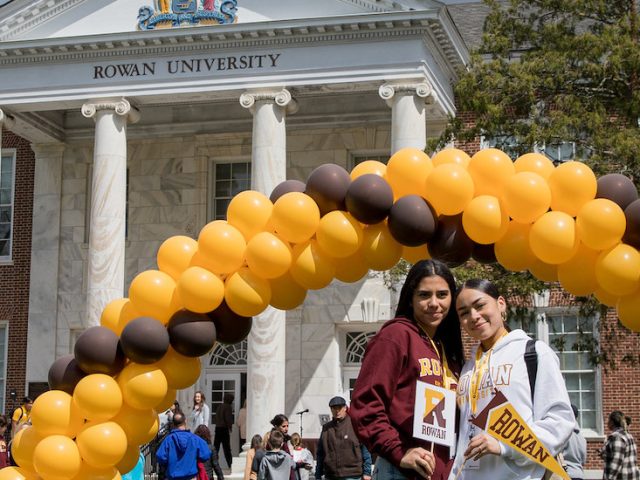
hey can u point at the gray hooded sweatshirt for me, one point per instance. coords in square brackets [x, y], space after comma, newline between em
[275, 465]
[575, 453]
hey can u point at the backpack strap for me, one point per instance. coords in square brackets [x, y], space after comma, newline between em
[531, 360]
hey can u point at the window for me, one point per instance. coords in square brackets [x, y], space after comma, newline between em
[558, 152]
[3, 364]
[572, 337]
[227, 180]
[235, 354]
[355, 344]
[7, 182]
[356, 158]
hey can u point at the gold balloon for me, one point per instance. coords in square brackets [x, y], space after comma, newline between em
[606, 298]
[490, 169]
[175, 254]
[352, 268]
[618, 270]
[415, 254]
[117, 314]
[22, 447]
[268, 256]
[143, 386]
[167, 401]
[153, 294]
[484, 220]
[56, 457]
[98, 397]
[553, 238]
[535, 163]
[295, 217]
[544, 271]
[179, 371]
[380, 250]
[200, 290]
[102, 445]
[249, 211]
[451, 155]
[246, 293]
[129, 459]
[222, 245]
[368, 166]
[578, 275]
[600, 224]
[526, 197]
[572, 185]
[140, 426]
[286, 294]
[339, 234]
[628, 308]
[449, 188]
[311, 267]
[53, 413]
[17, 473]
[87, 471]
[407, 172]
[513, 250]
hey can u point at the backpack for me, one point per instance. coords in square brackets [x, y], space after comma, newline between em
[531, 360]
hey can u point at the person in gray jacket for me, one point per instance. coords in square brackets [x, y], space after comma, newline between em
[575, 451]
[275, 464]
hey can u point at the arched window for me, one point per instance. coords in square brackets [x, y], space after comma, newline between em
[355, 346]
[228, 355]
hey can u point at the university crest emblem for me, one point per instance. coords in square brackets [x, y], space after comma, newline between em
[176, 13]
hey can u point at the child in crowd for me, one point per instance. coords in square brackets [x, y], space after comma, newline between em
[276, 464]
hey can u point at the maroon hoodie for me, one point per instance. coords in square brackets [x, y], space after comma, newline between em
[383, 400]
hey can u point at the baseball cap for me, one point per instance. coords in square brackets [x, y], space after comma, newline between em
[337, 402]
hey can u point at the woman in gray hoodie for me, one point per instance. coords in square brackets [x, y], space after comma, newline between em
[575, 451]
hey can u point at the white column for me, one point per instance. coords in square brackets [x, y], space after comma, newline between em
[408, 114]
[42, 349]
[266, 343]
[105, 280]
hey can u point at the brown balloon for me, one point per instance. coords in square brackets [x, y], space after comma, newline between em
[450, 243]
[64, 374]
[230, 327]
[369, 199]
[483, 253]
[191, 334]
[328, 185]
[617, 188]
[632, 232]
[144, 340]
[286, 187]
[98, 350]
[412, 221]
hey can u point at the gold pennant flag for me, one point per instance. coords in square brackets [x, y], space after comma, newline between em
[501, 420]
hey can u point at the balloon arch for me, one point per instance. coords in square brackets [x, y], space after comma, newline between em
[561, 223]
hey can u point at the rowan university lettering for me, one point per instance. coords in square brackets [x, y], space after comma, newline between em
[186, 66]
[496, 376]
[510, 429]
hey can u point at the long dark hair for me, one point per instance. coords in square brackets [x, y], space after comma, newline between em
[204, 433]
[448, 332]
[618, 420]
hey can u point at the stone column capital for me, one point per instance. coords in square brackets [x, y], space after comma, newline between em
[6, 120]
[48, 150]
[120, 106]
[420, 88]
[282, 98]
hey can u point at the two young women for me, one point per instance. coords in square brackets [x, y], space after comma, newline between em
[424, 343]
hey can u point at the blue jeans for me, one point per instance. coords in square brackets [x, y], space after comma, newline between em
[385, 470]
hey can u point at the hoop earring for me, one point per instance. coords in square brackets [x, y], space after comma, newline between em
[503, 315]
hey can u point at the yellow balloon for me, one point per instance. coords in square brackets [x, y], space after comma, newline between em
[451, 155]
[56, 457]
[143, 386]
[175, 254]
[407, 172]
[535, 163]
[129, 459]
[352, 268]
[484, 220]
[490, 169]
[249, 212]
[53, 414]
[415, 254]
[223, 247]
[606, 298]
[368, 166]
[526, 197]
[102, 445]
[618, 270]
[295, 217]
[140, 426]
[339, 234]
[449, 188]
[286, 294]
[17, 473]
[628, 309]
[167, 401]
[513, 250]
[544, 271]
[311, 268]
[23, 445]
[117, 314]
[153, 294]
[268, 256]
[200, 290]
[578, 275]
[380, 250]
[98, 397]
[600, 224]
[553, 238]
[246, 293]
[87, 471]
[179, 371]
[572, 185]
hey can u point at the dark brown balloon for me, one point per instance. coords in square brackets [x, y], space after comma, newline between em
[98, 350]
[369, 199]
[632, 233]
[191, 334]
[617, 188]
[64, 374]
[484, 253]
[144, 340]
[412, 221]
[450, 243]
[286, 187]
[328, 185]
[230, 327]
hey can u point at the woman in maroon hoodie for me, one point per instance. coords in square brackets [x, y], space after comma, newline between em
[422, 343]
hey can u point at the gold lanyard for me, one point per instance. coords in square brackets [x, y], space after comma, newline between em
[481, 364]
[448, 378]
